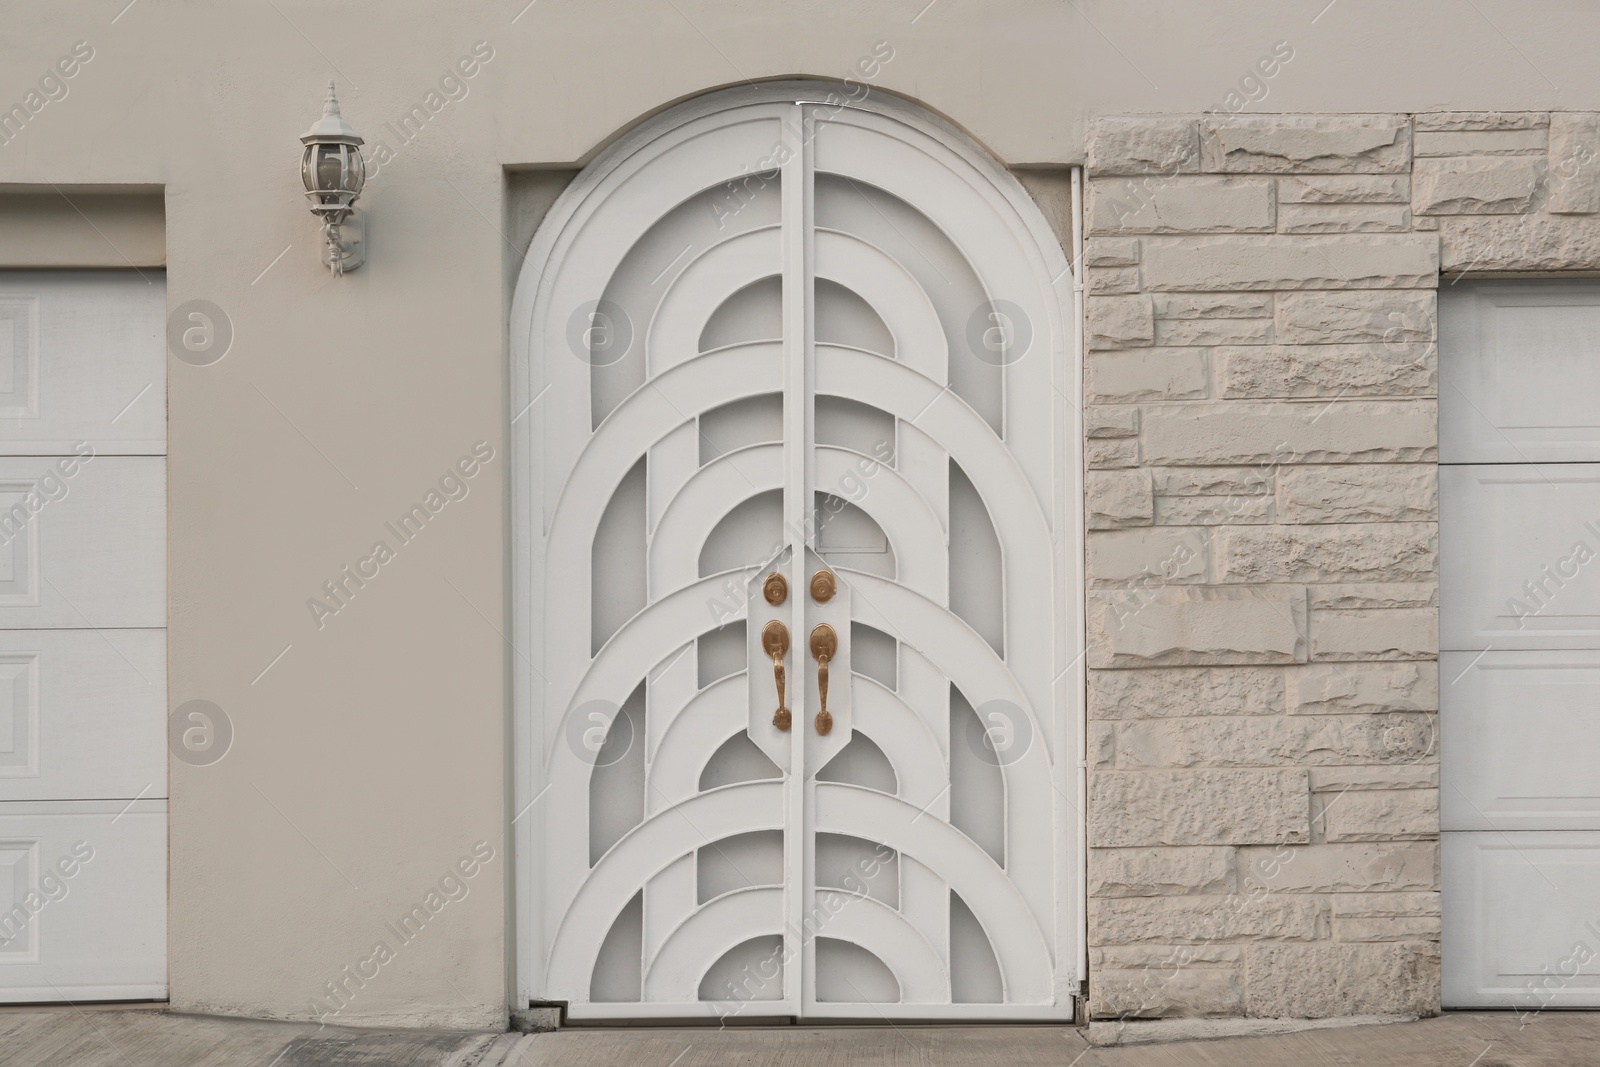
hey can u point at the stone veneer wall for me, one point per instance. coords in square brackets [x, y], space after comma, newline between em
[1262, 548]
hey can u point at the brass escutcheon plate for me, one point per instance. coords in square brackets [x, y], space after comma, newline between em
[824, 642]
[775, 589]
[775, 639]
[822, 586]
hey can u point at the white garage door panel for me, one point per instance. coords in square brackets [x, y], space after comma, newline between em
[82, 714]
[98, 933]
[1519, 561]
[1520, 749]
[94, 557]
[83, 687]
[1520, 371]
[1515, 908]
[1519, 556]
[82, 358]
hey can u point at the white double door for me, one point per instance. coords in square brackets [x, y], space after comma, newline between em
[799, 440]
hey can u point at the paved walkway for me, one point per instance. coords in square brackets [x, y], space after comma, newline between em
[147, 1038]
[68, 1037]
[1488, 1040]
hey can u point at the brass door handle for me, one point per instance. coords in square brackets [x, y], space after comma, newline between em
[824, 643]
[775, 643]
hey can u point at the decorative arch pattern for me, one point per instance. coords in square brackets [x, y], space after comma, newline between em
[644, 332]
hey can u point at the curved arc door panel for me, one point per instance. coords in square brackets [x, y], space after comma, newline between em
[796, 506]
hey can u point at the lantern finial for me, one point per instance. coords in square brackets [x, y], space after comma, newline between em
[331, 127]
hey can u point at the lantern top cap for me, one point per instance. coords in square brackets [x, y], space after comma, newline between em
[331, 128]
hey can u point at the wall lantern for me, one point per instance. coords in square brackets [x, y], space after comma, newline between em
[333, 172]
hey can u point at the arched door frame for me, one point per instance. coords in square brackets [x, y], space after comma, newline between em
[528, 313]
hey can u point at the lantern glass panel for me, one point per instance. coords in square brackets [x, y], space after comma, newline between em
[330, 168]
[358, 170]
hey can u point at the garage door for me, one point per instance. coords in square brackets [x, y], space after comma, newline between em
[1519, 537]
[83, 686]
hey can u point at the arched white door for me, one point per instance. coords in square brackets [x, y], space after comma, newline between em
[795, 407]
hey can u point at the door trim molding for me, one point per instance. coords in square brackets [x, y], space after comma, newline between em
[543, 254]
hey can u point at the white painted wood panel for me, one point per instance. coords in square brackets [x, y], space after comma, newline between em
[83, 693]
[1521, 744]
[83, 358]
[83, 901]
[83, 714]
[1519, 556]
[1519, 371]
[1521, 920]
[94, 555]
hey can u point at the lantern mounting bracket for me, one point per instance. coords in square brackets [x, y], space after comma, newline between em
[344, 244]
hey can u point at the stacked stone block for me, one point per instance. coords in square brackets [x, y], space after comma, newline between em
[1510, 191]
[1262, 565]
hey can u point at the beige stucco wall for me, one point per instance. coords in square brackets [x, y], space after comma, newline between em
[372, 756]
